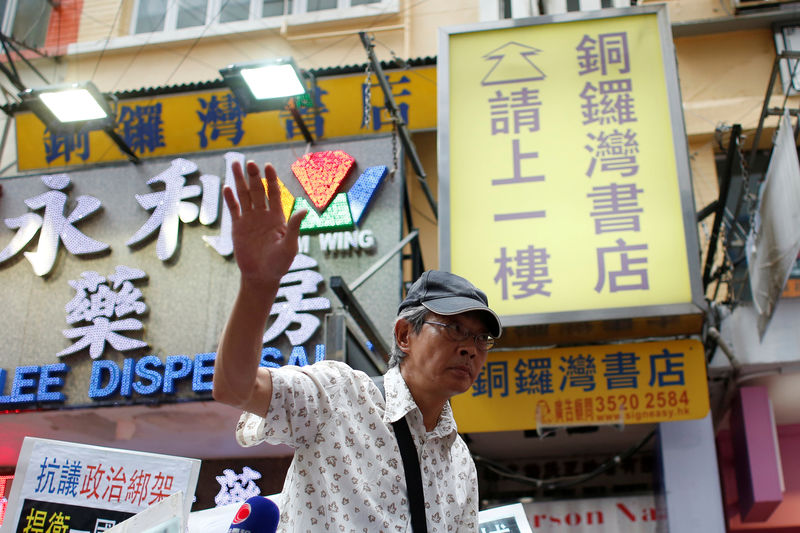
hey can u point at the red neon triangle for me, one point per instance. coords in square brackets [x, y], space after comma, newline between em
[321, 174]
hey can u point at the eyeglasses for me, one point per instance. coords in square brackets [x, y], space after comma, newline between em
[458, 333]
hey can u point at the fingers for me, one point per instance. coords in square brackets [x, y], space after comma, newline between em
[257, 194]
[252, 194]
[230, 200]
[242, 190]
[273, 189]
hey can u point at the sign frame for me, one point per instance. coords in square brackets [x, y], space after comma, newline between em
[695, 309]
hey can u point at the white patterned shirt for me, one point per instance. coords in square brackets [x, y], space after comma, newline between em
[347, 474]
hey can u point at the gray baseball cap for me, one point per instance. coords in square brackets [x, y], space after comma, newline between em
[447, 294]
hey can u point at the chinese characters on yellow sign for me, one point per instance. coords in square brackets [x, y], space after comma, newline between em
[212, 120]
[586, 385]
[558, 157]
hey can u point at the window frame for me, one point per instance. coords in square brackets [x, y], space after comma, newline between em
[300, 15]
[9, 16]
[491, 10]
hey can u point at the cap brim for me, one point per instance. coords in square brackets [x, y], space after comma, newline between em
[455, 305]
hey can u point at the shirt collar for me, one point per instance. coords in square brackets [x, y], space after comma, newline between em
[399, 403]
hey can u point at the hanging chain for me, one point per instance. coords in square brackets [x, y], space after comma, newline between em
[394, 149]
[366, 111]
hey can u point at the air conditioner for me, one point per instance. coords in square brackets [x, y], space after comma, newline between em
[741, 5]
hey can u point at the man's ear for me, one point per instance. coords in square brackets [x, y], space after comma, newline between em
[402, 334]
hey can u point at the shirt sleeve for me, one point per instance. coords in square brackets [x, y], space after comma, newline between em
[302, 403]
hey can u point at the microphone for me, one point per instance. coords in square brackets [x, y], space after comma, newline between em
[256, 515]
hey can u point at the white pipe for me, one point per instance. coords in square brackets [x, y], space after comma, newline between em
[341, 33]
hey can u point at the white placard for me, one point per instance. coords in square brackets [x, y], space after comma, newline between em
[505, 519]
[165, 516]
[120, 483]
[214, 520]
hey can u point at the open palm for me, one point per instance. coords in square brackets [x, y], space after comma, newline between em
[264, 243]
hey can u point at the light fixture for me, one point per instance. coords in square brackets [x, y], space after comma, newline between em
[270, 85]
[273, 81]
[75, 108]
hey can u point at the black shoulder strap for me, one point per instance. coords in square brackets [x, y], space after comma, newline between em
[416, 496]
[408, 453]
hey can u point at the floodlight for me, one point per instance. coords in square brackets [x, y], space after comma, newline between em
[75, 108]
[71, 107]
[267, 85]
[273, 81]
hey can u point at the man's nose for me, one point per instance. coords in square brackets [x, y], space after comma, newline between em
[468, 347]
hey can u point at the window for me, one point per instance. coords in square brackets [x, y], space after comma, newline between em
[505, 6]
[567, 6]
[26, 21]
[275, 8]
[166, 15]
[191, 13]
[159, 15]
[506, 9]
[316, 5]
[235, 10]
[150, 16]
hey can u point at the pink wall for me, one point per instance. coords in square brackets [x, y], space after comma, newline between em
[787, 515]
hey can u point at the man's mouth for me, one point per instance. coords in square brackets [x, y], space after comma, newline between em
[465, 369]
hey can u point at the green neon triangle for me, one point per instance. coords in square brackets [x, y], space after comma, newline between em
[336, 217]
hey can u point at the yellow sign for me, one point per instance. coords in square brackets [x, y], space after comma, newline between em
[212, 120]
[563, 165]
[586, 385]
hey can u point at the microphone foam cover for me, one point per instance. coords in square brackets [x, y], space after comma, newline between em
[256, 515]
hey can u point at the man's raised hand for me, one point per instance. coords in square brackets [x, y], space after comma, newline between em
[264, 243]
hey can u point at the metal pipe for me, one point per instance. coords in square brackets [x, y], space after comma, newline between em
[736, 131]
[298, 119]
[123, 146]
[383, 260]
[715, 334]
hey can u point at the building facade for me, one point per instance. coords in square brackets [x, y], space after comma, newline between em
[161, 60]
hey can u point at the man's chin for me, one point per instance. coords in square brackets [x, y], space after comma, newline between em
[461, 387]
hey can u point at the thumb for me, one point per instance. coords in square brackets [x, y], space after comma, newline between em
[293, 226]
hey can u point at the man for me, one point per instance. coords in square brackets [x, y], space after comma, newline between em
[347, 473]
